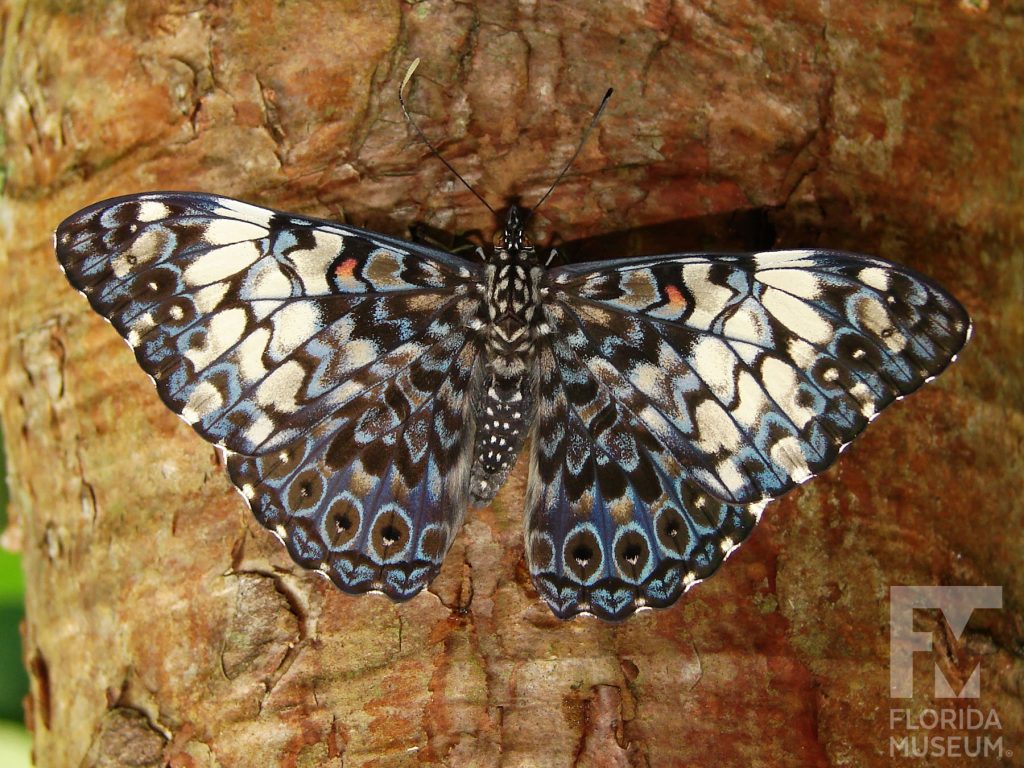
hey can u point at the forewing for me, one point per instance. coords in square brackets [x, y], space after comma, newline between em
[332, 362]
[255, 325]
[754, 371]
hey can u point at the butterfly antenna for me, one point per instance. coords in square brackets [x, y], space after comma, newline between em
[579, 148]
[425, 140]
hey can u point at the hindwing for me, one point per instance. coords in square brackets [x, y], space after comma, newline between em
[612, 521]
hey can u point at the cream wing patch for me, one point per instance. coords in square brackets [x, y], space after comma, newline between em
[783, 385]
[224, 330]
[313, 266]
[875, 318]
[205, 399]
[747, 323]
[152, 210]
[209, 298]
[796, 282]
[251, 213]
[753, 403]
[219, 263]
[716, 428]
[249, 355]
[801, 318]
[281, 388]
[146, 248]
[709, 299]
[226, 231]
[875, 277]
[787, 453]
[715, 363]
[294, 324]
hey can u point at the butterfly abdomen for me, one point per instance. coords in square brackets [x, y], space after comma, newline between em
[504, 413]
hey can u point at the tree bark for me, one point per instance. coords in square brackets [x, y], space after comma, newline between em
[166, 627]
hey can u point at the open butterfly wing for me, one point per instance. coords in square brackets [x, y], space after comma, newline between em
[728, 379]
[757, 369]
[255, 325]
[612, 523]
[374, 495]
[306, 348]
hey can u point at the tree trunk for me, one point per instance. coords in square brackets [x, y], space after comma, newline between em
[166, 627]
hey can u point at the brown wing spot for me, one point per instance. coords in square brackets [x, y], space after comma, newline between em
[541, 553]
[583, 555]
[631, 554]
[306, 490]
[343, 522]
[432, 544]
[673, 533]
[390, 534]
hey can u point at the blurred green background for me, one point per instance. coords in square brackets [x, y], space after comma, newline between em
[14, 739]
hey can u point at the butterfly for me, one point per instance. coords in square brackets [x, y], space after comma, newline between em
[367, 390]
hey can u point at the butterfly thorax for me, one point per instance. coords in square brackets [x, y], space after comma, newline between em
[504, 407]
[513, 278]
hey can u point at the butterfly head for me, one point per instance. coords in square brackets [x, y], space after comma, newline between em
[512, 243]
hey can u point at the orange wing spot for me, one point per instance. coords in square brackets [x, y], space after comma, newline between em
[676, 299]
[346, 268]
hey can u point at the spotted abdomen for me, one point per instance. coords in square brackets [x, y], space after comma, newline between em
[504, 412]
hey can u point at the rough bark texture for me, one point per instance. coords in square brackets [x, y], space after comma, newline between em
[165, 627]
